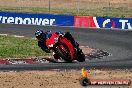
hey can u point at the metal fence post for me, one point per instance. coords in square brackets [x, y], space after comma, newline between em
[78, 8]
[49, 6]
[109, 6]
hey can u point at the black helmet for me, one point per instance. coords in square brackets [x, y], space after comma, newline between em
[39, 34]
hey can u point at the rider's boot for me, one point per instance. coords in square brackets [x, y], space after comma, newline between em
[56, 56]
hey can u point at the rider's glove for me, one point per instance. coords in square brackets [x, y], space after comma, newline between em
[62, 35]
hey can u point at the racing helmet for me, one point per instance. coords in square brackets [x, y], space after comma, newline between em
[40, 35]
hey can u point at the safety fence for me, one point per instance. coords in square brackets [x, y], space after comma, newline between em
[63, 20]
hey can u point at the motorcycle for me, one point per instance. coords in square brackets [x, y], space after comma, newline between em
[62, 47]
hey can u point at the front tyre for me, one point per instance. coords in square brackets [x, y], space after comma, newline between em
[65, 56]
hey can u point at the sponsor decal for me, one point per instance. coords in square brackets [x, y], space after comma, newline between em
[125, 23]
[20, 20]
[107, 22]
[85, 80]
[102, 22]
[84, 21]
[36, 19]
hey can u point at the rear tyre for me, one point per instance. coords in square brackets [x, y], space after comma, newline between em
[81, 56]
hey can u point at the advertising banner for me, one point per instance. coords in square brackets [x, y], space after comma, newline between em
[102, 22]
[84, 21]
[36, 19]
[109, 22]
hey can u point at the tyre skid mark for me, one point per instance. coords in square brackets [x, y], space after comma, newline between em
[97, 54]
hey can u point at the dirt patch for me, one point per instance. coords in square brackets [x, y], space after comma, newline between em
[87, 50]
[58, 79]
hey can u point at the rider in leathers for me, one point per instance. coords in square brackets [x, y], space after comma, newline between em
[42, 36]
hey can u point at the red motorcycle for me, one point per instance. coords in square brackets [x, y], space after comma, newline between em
[63, 48]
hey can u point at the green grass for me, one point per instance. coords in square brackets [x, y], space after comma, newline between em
[12, 47]
[115, 12]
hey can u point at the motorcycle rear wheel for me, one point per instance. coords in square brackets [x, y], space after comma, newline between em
[80, 56]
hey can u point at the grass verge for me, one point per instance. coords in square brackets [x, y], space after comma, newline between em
[12, 47]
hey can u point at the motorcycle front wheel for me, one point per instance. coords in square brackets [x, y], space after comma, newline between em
[64, 55]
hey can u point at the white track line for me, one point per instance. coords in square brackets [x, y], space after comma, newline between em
[34, 38]
[84, 46]
[17, 36]
[3, 34]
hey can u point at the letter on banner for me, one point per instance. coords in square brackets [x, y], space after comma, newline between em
[27, 21]
[52, 21]
[123, 23]
[36, 21]
[0, 18]
[129, 26]
[45, 22]
[4, 19]
[18, 20]
[10, 20]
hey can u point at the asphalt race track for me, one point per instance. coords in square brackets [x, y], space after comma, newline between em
[116, 42]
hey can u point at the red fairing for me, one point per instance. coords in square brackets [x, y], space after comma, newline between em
[62, 40]
[52, 39]
[70, 46]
